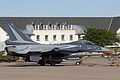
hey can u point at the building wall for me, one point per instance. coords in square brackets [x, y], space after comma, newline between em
[41, 34]
[118, 32]
[3, 37]
[3, 34]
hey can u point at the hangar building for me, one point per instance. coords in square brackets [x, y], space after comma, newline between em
[48, 30]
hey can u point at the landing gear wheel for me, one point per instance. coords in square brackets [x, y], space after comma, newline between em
[41, 62]
[52, 63]
[78, 63]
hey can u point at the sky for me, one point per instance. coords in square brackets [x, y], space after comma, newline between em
[59, 8]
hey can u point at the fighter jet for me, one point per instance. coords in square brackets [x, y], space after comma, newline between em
[21, 45]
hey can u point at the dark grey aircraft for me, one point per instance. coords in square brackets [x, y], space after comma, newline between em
[20, 45]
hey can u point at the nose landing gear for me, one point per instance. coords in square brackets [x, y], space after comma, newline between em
[80, 61]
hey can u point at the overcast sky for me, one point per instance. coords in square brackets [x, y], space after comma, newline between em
[59, 8]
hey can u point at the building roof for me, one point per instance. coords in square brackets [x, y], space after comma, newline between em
[87, 22]
[115, 24]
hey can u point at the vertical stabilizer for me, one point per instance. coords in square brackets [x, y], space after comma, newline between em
[15, 34]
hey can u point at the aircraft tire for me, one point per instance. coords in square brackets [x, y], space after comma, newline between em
[78, 63]
[41, 62]
[52, 63]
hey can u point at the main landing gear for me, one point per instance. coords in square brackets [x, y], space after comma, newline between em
[41, 62]
[51, 62]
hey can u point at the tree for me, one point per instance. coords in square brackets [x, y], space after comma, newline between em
[100, 37]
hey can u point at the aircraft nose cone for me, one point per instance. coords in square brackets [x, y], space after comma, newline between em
[102, 49]
[105, 49]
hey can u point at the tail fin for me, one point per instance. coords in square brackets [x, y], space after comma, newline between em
[15, 34]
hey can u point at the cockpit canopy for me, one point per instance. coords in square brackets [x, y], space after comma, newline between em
[85, 42]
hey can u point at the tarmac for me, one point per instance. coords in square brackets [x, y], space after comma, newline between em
[91, 69]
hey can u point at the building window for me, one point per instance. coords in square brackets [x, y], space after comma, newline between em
[54, 37]
[79, 36]
[63, 37]
[46, 37]
[36, 27]
[71, 37]
[38, 37]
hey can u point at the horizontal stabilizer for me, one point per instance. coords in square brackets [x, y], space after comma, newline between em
[23, 51]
